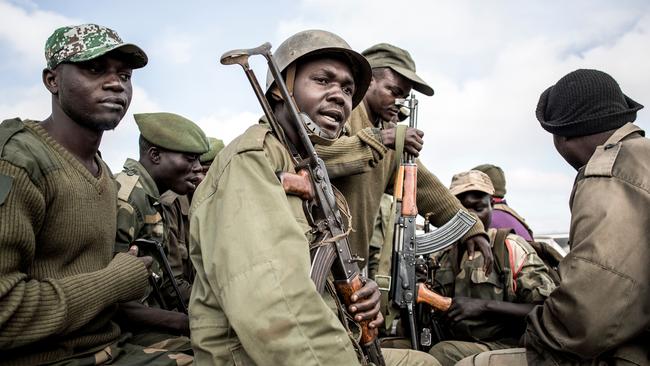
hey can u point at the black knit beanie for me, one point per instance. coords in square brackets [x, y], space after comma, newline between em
[585, 102]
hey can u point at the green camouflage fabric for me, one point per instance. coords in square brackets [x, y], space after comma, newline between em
[172, 132]
[139, 212]
[532, 284]
[128, 350]
[86, 42]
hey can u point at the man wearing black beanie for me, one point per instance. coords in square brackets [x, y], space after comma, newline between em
[600, 313]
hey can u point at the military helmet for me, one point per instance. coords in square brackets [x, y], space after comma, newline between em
[311, 42]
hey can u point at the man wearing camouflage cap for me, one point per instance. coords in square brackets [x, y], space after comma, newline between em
[368, 148]
[503, 215]
[487, 311]
[176, 212]
[598, 315]
[253, 301]
[61, 284]
[170, 146]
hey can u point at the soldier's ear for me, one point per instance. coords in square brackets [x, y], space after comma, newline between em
[50, 80]
[154, 155]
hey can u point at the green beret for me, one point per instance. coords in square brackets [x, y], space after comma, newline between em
[497, 177]
[400, 61]
[215, 146]
[172, 132]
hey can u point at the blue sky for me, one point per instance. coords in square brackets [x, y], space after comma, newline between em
[488, 61]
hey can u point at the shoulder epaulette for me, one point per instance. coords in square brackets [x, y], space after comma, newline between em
[8, 128]
[253, 138]
[602, 161]
[127, 183]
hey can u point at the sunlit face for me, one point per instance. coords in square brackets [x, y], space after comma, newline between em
[323, 89]
[386, 86]
[95, 93]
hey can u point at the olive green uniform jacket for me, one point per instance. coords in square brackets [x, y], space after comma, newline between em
[253, 302]
[601, 310]
[59, 281]
[362, 168]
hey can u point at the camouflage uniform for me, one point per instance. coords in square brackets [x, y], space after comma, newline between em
[531, 284]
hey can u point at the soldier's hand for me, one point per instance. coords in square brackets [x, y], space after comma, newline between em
[413, 141]
[365, 304]
[483, 245]
[465, 308]
[146, 260]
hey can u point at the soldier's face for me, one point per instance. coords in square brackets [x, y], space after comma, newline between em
[479, 203]
[95, 93]
[385, 87]
[323, 89]
[569, 150]
[181, 172]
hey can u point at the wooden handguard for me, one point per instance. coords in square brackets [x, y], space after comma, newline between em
[346, 289]
[409, 199]
[432, 298]
[297, 184]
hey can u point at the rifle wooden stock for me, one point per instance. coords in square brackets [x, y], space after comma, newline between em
[409, 197]
[346, 289]
[435, 300]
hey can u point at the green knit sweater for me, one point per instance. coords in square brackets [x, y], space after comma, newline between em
[59, 284]
[362, 168]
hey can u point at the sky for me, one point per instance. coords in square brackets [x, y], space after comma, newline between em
[488, 62]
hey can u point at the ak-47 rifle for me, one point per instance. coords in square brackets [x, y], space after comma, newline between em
[312, 184]
[156, 249]
[405, 292]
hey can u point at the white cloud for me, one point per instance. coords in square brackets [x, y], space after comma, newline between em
[227, 124]
[26, 32]
[175, 48]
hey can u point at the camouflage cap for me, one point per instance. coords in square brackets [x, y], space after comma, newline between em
[172, 132]
[400, 61]
[472, 180]
[497, 177]
[88, 41]
[215, 146]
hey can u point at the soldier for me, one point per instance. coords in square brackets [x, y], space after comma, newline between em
[487, 312]
[599, 313]
[176, 212]
[59, 282]
[504, 216]
[368, 148]
[253, 301]
[170, 146]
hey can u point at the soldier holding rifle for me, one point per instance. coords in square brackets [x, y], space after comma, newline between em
[253, 300]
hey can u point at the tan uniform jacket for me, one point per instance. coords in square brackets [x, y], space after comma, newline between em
[253, 302]
[601, 310]
[362, 169]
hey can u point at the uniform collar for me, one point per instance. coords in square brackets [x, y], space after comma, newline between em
[623, 132]
[133, 167]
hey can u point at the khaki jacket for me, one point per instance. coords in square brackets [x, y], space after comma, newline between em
[601, 310]
[253, 302]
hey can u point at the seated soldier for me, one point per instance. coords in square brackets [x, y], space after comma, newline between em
[504, 216]
[487, 312]
[176, 212]
[170, 146]
[60, 284]
[253, 301]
